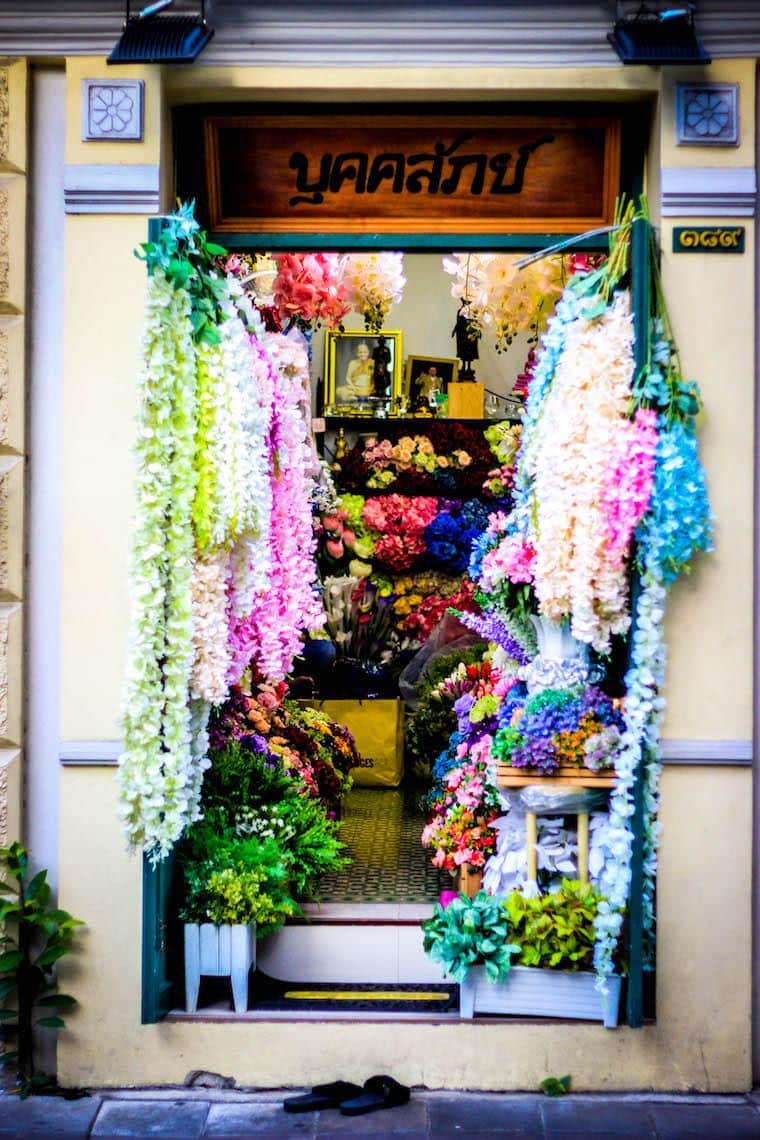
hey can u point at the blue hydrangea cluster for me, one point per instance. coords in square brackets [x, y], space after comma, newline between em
[450, 535]
[678, 522]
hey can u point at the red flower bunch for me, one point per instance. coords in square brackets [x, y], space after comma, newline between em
[309, 286]
[422, 621]
[400, 521]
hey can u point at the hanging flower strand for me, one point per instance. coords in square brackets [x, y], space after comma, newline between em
[374, 282]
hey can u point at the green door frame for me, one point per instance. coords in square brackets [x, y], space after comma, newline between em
[158, 920]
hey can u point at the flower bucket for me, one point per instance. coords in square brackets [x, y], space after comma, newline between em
[219, 952]
[541, 993]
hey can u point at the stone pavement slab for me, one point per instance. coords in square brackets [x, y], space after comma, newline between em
[46, 1116]
[470, 1114]
[595, 1117]
[403, 1120]
[258, 1119]
[169, 1120]
[705, 1122]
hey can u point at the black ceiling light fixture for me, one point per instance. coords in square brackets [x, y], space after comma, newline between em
[658, 35]
[150, 36]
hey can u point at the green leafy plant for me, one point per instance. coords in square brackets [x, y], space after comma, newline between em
[554, 930]
[34, 937]
[234, 880]
[245, 794]
[312, 848]
[555, 1086]
[239, 779]
[470, 932]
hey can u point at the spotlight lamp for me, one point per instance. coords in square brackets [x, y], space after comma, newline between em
[150, 36]
[656, 36]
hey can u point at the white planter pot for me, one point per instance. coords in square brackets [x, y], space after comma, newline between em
[541, 993]
[219, 952]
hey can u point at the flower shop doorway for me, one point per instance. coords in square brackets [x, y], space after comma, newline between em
[391, 883]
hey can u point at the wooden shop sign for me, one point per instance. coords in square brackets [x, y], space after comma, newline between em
[358, 173]
[708, 239]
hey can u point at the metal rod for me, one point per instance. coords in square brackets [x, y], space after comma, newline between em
[524, 262]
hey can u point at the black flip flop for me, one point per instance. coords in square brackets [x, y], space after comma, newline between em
[322, 1096]
[379, 1092]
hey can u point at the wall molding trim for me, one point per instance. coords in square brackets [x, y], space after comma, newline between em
[111, 188]
[698, 752]
[442, 33]
[705, 191]
[90, 753]
[105, 753]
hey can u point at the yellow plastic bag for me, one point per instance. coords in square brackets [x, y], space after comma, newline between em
[378, 729]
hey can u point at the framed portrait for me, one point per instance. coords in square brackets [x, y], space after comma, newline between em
[353, 362]
[427, 373]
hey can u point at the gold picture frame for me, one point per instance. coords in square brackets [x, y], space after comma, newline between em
[446, 370]
[349, 371]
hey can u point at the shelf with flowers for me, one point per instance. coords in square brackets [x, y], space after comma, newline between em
[394, 553]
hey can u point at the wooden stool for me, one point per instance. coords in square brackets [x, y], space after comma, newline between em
[531, 840]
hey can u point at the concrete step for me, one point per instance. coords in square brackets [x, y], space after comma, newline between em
[351, 942]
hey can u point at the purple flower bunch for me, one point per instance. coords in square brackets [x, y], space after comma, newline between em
[578, 727]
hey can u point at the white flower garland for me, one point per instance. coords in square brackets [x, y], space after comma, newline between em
[586, 406]
[210, 628]
[155, 774]
[640, 745]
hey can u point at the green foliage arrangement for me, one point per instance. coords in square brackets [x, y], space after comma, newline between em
[185, 256]
[240, 779]
[234, 880]
[247, 794]
[554, 930]
[34, 937]
[470, 932]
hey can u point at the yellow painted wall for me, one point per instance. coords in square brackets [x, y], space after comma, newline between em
[701, 1040]
[702, 1036]
[713, 307]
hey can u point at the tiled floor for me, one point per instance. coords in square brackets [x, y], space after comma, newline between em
[381, 828]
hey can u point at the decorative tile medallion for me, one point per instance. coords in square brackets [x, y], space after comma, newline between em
[112, 109]
[707, 114]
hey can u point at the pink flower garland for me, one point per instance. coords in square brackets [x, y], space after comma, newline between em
[271, 634]
[628, 481]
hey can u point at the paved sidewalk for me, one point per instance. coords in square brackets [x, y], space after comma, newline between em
[178, 1114]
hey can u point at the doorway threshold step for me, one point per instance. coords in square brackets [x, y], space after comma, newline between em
[360, 914]
[350, 944]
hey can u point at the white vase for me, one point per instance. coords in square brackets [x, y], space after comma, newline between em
[533, 992]
[219, 952]
[562, 660]
[556, 642]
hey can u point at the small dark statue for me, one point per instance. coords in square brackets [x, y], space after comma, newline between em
[381, 355]
[466, 333]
